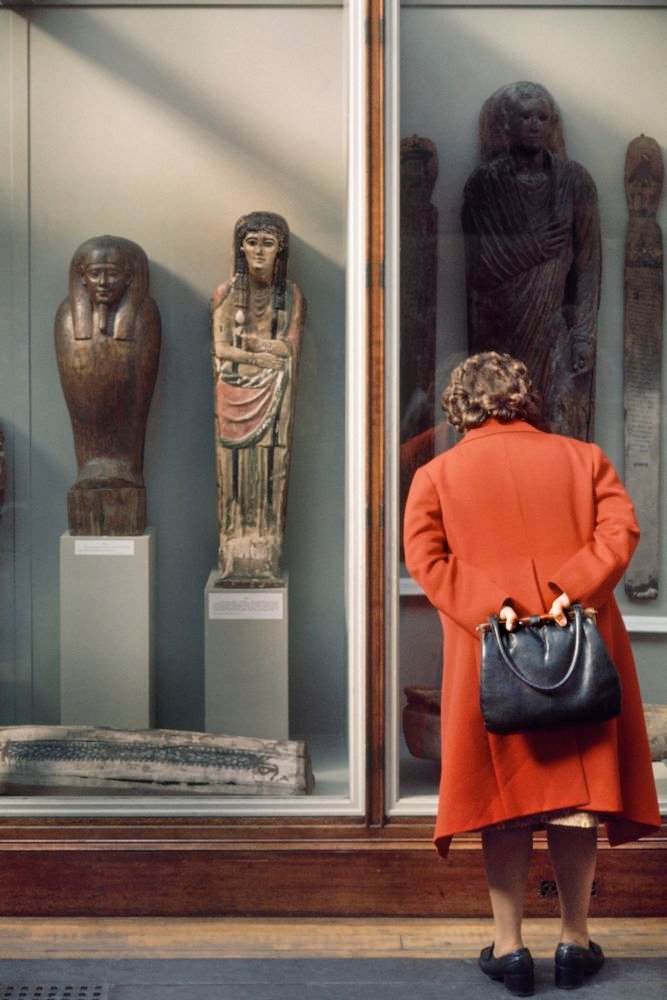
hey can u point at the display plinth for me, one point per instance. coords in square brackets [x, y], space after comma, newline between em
[247, 684]
[107, 630]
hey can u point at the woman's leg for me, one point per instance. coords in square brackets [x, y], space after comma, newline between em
[573, 854]
[507, 856]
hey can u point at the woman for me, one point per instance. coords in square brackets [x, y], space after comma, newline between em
[515, 521]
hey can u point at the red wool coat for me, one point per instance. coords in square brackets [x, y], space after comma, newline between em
[513, 512]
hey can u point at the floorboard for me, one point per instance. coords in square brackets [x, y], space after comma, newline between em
[233, 938]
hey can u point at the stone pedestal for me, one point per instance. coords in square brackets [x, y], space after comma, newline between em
[107, 631]
[247, 685]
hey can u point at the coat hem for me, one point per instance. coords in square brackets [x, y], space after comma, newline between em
[619, 831]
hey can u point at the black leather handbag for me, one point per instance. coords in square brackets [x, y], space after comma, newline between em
[542, 675]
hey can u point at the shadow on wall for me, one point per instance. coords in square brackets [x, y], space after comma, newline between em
[180, 481]
[315, 535]
[266, 137]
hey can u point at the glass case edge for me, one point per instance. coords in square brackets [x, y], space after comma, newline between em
[392, 348]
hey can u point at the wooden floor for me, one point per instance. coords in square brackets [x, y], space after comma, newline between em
[118, 937]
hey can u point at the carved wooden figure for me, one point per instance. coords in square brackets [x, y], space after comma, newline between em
[257, 322]
[419, 265]
[642, 358]
[532, 244]
[3, 473]
[107, 335]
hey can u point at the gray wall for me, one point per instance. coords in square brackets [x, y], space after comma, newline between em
[164, 126]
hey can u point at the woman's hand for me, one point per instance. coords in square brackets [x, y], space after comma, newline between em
[508, 615]
[558, 609]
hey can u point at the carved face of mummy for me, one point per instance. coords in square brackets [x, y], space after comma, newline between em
[530, 124]
[644, 185]
[261, 250]
[106, 276]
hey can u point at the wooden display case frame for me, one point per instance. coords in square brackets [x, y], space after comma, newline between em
[372, 865]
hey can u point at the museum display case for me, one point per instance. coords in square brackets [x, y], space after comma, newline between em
[442, 64]
[356, 122]
[546, 46]
[134, 128]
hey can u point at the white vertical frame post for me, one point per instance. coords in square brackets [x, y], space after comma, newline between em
[355, 394]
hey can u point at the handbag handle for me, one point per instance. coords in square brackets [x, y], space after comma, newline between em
[495, 625]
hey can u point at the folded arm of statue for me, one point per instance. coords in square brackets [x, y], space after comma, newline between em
[253, 342]
[259, 359]
[583, 349]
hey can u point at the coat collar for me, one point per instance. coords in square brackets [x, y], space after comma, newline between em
[493, 426]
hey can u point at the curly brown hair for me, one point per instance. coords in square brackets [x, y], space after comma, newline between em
[490, 385]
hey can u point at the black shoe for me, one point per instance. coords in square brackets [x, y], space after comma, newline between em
[574, 963]
[516, 970]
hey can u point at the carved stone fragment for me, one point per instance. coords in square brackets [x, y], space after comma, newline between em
[656, 728]
[160, 760]
[107, 334]
[642, 358]
[532, 244]
[257, 320]
[421, 724]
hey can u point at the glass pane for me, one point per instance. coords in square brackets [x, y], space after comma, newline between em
[452, 58]
[164, 126]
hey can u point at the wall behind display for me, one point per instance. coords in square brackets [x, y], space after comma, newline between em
[164, 126]
[606, 69]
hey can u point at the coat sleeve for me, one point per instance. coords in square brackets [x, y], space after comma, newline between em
[589, 577]
[457, 589]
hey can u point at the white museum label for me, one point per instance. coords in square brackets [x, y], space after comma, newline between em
[255, 605]
[104, 547]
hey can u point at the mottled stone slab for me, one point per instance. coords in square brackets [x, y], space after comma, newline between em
[152, 761]
[642, 359]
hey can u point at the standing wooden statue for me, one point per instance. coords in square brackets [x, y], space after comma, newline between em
[3, 474]
[257, 321]
[107, 344]
[419, 266]
[532, 242]
[642, 355]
